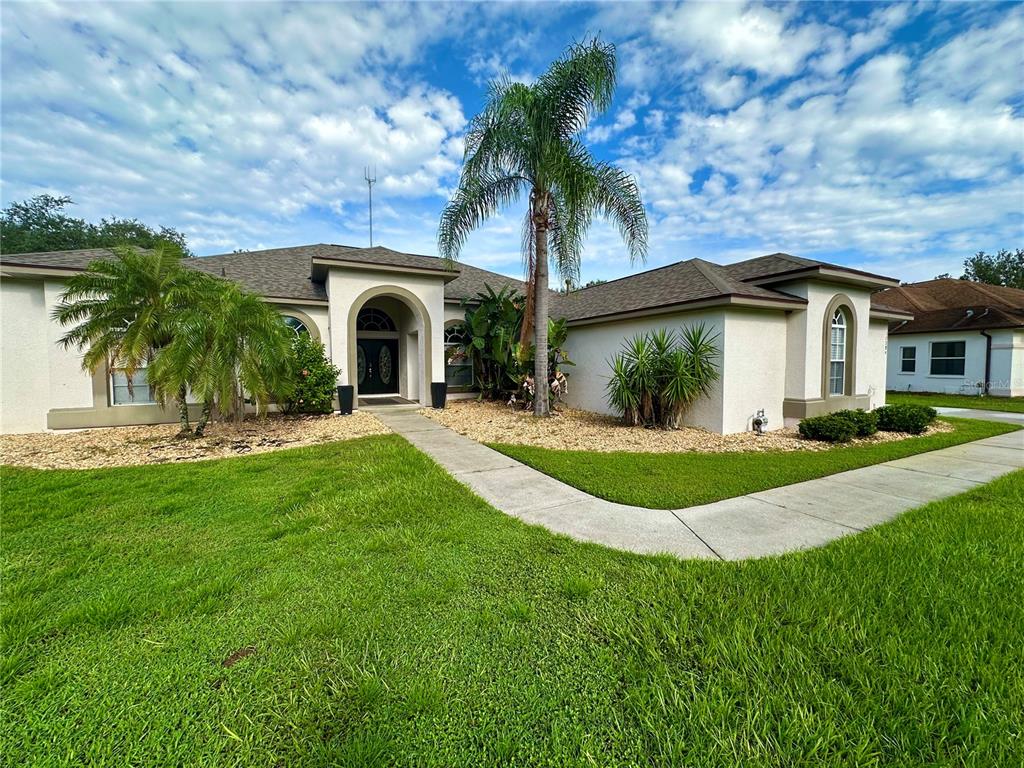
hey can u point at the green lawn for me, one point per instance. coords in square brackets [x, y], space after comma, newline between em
[1009, 404]
[677, 480]
[391, 618]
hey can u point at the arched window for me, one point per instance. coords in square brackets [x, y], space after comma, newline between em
[370, 319]
[837, 354]
[296, 325]
[458, 368]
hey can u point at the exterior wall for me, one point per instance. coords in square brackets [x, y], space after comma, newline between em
[43, 386]
[806, 393]
[349, 289]
[755, 368]
[876, 362]
[24, 356]
[454, 313]
[307, 313]
[1007, 365]
[591, 347]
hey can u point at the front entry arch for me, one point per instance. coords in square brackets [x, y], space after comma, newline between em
[386, 343]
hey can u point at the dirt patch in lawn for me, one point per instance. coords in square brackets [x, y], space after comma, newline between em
[572, 430]
[159, 444]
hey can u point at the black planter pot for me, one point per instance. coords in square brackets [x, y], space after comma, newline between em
[345, 397]
[438, 393]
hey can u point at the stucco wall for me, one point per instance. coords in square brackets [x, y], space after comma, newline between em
[346, 286]
[592, 346]
[24, 356]
[805, 339]
[874, 364]
[755, 368]
[1007, 374]
[318, 314]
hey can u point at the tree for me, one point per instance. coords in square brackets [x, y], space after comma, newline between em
[40, 224]
[1002, 268]
[228, 346]
[124, 310]
[527, 141]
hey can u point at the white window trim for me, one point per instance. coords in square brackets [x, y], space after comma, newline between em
[110, 390]
[845, 358]
[908, 373]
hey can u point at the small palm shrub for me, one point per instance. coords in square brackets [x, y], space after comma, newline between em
[658, 375]
[913, 419]
[830, 428]
[865, 422]
[315, 377]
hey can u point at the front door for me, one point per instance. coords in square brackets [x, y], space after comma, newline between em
[377, 364]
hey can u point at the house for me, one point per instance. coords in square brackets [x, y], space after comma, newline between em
[797, 337]
[964, 337]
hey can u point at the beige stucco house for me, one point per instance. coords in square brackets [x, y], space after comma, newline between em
[797, 337]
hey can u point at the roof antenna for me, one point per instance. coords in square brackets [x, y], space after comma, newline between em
[370, 181]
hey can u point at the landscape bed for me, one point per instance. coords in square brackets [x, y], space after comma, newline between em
[677, 480]
[569, 429]
[160, 443]
[350, 604]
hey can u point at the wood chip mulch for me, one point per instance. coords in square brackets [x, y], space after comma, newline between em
[159, 444]
[572, 430]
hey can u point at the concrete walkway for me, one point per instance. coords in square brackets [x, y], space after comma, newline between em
[977, 413]
[770, 522]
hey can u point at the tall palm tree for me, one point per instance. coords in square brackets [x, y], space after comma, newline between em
[528, 141]
[122, 310]
[228, 345]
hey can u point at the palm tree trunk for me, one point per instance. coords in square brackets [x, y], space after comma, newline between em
[204, 418]
[540, 318]
[183, 412]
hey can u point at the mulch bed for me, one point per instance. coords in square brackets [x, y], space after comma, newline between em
[572, 430]
[159, 444]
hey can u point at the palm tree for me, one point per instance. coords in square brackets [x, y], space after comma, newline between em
[123, 310]
[228, 344]
[527, 140]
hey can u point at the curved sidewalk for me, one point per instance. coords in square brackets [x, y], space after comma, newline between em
[771, 522]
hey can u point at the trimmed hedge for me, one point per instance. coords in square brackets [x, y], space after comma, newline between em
[830, 428]
[912, 419]
[840, 426]
[865, 422]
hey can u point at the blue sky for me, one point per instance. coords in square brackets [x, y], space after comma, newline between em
[886, 137]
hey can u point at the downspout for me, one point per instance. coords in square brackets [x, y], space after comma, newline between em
[988, 353]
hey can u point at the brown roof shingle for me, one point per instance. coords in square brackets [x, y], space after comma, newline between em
[946, 304]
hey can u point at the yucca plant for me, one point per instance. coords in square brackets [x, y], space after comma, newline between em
[658, 375]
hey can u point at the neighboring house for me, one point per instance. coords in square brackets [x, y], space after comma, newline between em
[964, 337]
[797, 337]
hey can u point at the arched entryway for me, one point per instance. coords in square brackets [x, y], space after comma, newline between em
[389, 351]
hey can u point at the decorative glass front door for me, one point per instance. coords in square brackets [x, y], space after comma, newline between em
[377, 361]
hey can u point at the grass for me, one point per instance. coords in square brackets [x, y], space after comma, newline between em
[936, 400]
[352, 605]
[677, 480]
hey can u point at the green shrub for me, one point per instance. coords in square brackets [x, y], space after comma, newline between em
[912, 419]
[865, 423]
[315, 377]
[830, 428]
[658, 375]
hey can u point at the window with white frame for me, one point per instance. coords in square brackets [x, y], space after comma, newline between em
[297, 326]
[908, 359]
[138, 393]
[837, 354]
[948, 358]
[458, 368]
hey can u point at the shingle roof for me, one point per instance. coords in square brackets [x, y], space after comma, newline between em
[286, 273]
[946, 304]
[680, 283]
